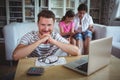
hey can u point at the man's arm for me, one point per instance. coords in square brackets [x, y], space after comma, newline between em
[24, 50]
[68, 48]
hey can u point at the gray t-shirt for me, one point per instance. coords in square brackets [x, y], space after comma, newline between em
[42, 49]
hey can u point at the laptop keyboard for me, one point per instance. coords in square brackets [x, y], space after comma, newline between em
[83, 67]
[82, 60]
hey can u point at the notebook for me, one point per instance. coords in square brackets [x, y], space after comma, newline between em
[98, 57]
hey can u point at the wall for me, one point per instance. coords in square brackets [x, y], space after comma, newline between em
[113, 10]
[104, 12]
[109, 8]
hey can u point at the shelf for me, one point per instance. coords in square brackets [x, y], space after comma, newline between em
[15, 6]
[69, 8]
[2, 40]
[2, 3]
[29, 16]
[56, 7]
[16, 20]
[3, 17]
[44, 7]
[29, 12]
[43, 3]
[70, 3]
[18, 12]
[29, 6]
[2, 11]
[15, 17]
[15, 3]
[2, 23]
[16, 0]
[57, 3]
[30, 20]
[58, 12]
[29, 2]
[1, 34]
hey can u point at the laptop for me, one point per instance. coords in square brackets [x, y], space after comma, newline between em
[98, 57]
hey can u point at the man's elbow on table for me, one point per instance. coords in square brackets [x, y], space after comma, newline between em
[15, 57]
[76, 52]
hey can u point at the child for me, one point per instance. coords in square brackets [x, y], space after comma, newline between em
[66, 26]
[83, 28]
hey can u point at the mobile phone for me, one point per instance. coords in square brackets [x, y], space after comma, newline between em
[35, 71]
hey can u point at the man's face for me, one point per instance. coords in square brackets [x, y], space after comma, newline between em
[81, 14]
[45, 25]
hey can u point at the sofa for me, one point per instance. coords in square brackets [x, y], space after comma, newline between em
[114, 31]
[14, 31]
[107, 31]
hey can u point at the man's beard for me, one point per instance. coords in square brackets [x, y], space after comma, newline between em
[43, 32]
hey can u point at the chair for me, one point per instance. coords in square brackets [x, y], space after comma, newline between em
[13, 33]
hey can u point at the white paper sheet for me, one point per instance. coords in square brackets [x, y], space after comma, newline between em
[60, 61]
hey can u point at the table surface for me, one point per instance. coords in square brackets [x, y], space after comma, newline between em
[110, 72]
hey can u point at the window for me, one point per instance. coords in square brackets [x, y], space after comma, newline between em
[117, 16]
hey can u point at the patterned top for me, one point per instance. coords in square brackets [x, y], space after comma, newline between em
[42, 49]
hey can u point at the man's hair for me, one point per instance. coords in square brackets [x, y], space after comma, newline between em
[46, 14]
[82, 7]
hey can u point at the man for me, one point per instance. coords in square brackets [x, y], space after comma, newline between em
[83, 29]
[45, 41]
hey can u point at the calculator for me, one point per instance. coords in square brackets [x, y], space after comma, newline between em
[35, 71]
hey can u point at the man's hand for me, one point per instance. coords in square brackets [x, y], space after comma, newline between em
[51, 40]
[44, 38]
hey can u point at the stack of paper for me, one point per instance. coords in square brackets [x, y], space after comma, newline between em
[60, 61]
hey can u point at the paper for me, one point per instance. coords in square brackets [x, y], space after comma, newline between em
[60, 61]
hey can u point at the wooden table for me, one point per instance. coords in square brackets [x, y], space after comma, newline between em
[110, 72]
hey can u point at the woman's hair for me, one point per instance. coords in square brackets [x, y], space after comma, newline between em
[46, 14]
[69, 13]
[82, 7]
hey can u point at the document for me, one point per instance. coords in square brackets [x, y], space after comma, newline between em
[60, 61]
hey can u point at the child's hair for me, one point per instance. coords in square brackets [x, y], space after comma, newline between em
[69, 13]
[82, 7]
